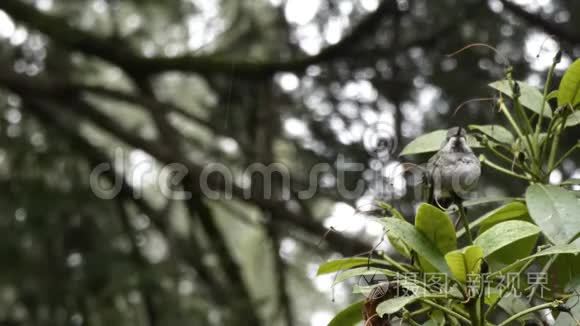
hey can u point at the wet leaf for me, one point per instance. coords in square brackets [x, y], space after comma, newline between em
[555, 210]
[569, 90]
[504, 234]
[431, 142]
[530, 97]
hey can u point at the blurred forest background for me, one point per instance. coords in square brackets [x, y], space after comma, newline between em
[140, 83]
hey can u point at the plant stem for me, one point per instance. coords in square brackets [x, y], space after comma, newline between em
[420, 311]
[506, 289]
[555, 143]
[542, 147]
[473, 224]
[473, 307]
[464, 220]
[502, 156]
[411, 321]
[511, 120]
[446, 310]
[492, 165]
[522, 313]
[565, 156]
[473, 312]
[514, 161]
[543, 272]
[395, 264]
[531, 141]
[523, 116]
[546, 88]
[524, 138]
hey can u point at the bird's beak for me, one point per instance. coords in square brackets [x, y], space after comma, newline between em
[458, 131]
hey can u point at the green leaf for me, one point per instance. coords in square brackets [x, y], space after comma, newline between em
[488, 200]
[513, 304]
[569, 90]
[565, 249]
[496, 132]
[349, 316]
[573, 119]
[573, 181]
[393, 211]
[564, 271]
[436, 225]
[385, 285]
[399, 245]
[510, 211]
[518, 249]
[530, 97]
[555, 210]
[346, 263]
[552, 94]
[565, 319]
[504, 234]
[541, 138]
[416, 241]
[393, 305]
[570, 248]
[473, 257]
[431, 142]
[438, 317]
[519, 146]
[393, 240]
[362, 271]
[464, 262]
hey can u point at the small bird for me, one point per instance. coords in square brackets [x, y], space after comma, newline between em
[454, 170]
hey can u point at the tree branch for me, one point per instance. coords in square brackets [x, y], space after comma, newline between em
[338, 242]
[197, 207]
[280, 271]
[60, 87]
[537, 21]
[60, 31]
[190, 250]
